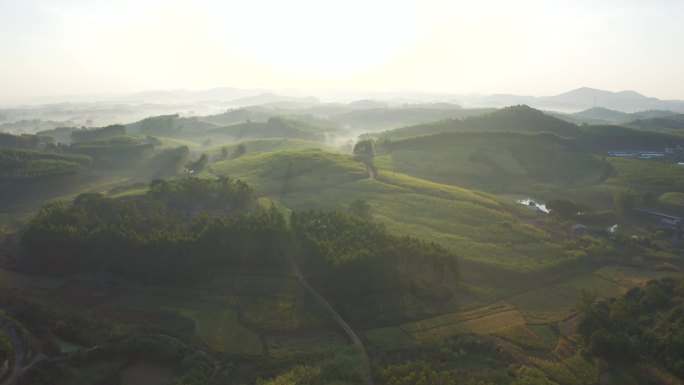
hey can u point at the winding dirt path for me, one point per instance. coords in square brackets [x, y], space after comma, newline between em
[347, 328]
[371, 172]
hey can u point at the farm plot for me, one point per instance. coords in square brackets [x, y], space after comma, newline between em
[486, 320]
[631, 277]
[556, 302]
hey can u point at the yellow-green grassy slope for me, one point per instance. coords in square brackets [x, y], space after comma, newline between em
[478, 227]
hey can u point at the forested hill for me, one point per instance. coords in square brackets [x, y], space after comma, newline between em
[672, 123]
[179, 232]
[188, 230]
[515, 119]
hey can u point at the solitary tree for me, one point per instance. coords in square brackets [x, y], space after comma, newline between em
[364, 148]
[239, 151]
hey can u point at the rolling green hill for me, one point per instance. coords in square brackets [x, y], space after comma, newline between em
[480, 228]
[263, 145]
[503, 162]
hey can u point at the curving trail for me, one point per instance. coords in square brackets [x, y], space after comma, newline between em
[347, 329]
[371, 172]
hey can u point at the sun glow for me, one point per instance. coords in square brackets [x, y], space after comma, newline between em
[313, 37]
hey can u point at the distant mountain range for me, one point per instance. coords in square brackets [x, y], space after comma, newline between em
[579, 100]
[569, 102]
[230, 97]
[600, 115]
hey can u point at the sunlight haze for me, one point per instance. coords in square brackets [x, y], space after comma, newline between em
[67, 47]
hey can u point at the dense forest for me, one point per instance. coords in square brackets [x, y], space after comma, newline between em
[180, 232]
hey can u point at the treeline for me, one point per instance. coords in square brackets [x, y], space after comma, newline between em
[116, 152]
[512, 119]
[23, 164]
[646, 323]
[349, 257]
[180, 233]
[87, 135]
[523, 119]
[215, 195]
[23, 141]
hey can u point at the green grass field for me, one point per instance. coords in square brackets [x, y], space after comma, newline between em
[574, 370]
[478, 226]
[647, 174]
[167, 143]
[672, 201]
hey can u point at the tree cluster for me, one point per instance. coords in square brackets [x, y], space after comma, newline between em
[25, 174]
[86, 135]
[646, 322]
[350, 257]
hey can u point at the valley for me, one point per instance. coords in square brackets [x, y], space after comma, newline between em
[214, 251]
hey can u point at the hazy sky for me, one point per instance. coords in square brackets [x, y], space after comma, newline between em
[535, 47]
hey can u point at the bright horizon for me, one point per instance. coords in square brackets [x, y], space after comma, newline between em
[71, 47]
